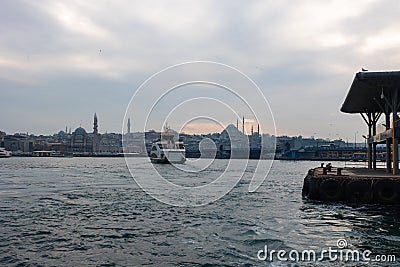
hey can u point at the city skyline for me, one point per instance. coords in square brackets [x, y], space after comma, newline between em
[250, 127]
[60, 61]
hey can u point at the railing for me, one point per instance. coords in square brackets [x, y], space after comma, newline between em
[170, 145]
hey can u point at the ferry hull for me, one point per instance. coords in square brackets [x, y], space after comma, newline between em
[175, 157]
[170, 157]
[159, 160]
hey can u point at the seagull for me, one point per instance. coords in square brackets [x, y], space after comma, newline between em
[364, 69]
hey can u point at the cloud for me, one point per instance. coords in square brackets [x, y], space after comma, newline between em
[88, 56]
[74, 21]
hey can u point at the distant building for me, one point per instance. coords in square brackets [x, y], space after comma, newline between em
[231, 142]
[18, 143]
[81, 142]
[134, 143]
[109, 143]
[232, 138]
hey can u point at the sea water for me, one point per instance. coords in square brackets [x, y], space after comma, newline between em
[91, 212]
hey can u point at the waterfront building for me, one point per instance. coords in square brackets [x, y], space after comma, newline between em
[81, 142]
[108, 143]
[18, 143]
[255, 139]
[134, 143]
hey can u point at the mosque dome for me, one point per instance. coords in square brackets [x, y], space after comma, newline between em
[231, 129]
[80, 130]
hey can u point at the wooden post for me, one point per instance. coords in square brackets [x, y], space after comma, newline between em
[374, 144]
[369, 148]
[395, 142]
[388, 150]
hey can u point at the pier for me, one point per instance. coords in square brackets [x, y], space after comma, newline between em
[352, 185]
[372, 95]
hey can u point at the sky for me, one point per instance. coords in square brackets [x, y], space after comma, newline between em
[62, 61]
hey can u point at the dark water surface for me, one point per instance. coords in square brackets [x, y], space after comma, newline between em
[89, 211]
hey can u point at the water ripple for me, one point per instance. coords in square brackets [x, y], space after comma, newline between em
[89, 211]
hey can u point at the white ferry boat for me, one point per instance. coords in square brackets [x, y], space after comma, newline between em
[4, 153]
[167, 150]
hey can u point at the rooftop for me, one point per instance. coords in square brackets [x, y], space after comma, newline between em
[367, 91]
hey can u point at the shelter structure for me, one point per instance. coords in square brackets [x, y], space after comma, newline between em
[373, 94]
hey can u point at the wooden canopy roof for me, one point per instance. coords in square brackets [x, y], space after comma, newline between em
[367, 91]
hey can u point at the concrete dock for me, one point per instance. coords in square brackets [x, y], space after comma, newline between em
[356, 173]
[352, 185]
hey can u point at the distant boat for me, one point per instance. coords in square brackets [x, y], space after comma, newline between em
[4, 153]
[167, 150]
[131, 154]
[50, 153]
[56, 154]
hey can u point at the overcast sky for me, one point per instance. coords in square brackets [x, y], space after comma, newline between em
[61, 61]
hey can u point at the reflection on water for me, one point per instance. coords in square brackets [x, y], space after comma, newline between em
[89, 211]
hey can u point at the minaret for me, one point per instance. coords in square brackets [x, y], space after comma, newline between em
[258, 129]
[237, 124]
[252, 132]
[95, 126]
[129, 125]
[243, 126]
[96, 137]
[66, 130]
